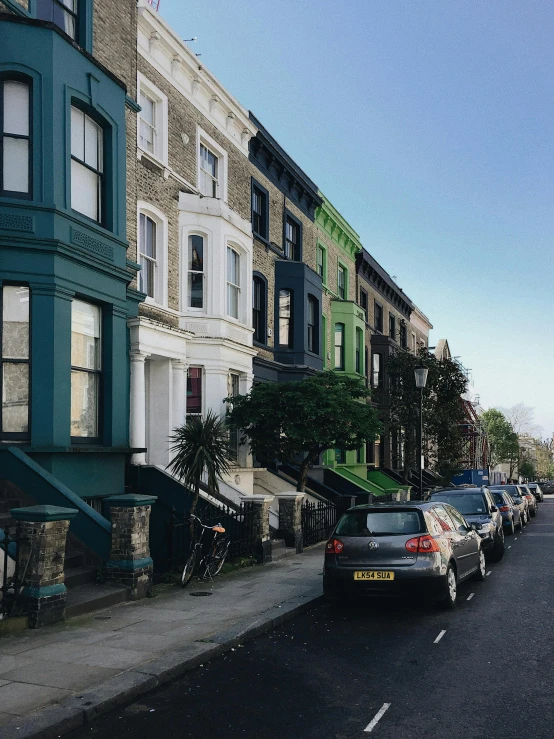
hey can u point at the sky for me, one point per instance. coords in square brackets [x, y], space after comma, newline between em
[429, 125]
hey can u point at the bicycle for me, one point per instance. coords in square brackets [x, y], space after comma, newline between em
[212, 561]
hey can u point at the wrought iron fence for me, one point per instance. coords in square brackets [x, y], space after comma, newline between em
[13, 570]
[238, 525]
[318, 521]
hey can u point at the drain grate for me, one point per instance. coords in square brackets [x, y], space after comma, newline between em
[202, 592]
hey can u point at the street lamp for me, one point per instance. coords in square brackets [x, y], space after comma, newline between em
[420, 382]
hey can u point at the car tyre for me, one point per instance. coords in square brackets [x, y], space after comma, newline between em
[481, 573]
[520, 524]
[498, 548]
[451, 585]
[512, 529]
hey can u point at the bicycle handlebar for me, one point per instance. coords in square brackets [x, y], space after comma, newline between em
[192, 518]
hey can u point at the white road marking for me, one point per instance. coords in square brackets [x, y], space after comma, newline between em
[488, 573]
[378, 716]
[510, 547]
[470, 596]
[439, 637]
[515, 538]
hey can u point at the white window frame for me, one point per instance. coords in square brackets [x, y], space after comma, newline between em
[160, 152]
[235, 286]
[414, 343]
[184, 269]
[161, 279]
[203, 138]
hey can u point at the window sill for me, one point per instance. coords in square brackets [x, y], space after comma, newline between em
[261, 345]
[265, 241]
[142, 153]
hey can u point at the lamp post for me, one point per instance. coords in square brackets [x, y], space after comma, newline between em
[420, 382]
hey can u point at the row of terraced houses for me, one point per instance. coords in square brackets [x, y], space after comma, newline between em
[159, 252]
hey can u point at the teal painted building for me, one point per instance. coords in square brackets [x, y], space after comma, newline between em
[64, 274]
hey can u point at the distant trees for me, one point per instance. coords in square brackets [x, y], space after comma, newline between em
[502, 439]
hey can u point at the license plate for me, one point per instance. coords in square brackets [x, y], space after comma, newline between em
[374, 575]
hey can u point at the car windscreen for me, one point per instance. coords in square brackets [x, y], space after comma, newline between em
[380, 523]
[512, 490]
[467, 503]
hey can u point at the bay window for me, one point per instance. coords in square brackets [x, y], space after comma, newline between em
[313, 337]
[87, 165]
[194, 391]
[259, 309]
[15, 138]
[233, 283]
[85, 369]
[14, 361]
[339, 346]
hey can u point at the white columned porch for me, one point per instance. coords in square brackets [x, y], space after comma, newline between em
[137, 421]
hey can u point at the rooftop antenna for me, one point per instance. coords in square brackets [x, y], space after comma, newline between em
[186, 40]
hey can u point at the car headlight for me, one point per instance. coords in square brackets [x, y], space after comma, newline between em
[486, 528]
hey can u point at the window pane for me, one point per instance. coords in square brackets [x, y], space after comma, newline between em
[77, 133]
[232, 266]
[85, 335]
[196, 290]
[285, 334]
[232, 301]
[84, 404]
[196, 253]
[16, 108]
[92, 136]
[194, 390]
[15, 398]
[16, 165]
[148, 277]
[84, 191]
[147, 236]
[15, 323]
[147, 112]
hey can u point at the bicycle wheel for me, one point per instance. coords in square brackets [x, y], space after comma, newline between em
[217, 557]
[188, 569]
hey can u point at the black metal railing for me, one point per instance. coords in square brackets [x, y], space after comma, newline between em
[12, 571]
[318, 521]
[238, 525]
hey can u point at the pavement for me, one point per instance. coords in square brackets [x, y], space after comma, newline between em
[55, 679]
[393, 670]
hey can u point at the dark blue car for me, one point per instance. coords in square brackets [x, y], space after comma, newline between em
[511, 513]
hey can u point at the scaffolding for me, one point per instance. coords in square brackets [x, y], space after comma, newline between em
[476, 452]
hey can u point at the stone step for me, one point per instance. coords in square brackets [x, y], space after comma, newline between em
[88, 598]
[75, 576]
[74, 558]
[279, 550]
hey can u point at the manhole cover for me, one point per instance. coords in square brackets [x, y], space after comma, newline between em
[203, 592]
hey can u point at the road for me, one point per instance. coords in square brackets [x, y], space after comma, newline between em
[381, 670]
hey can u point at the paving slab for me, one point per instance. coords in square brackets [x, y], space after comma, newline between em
[59, 674]
[21, 698]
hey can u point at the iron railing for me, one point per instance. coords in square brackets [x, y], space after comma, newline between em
[238, 525]
[318, 521]
[13, 570]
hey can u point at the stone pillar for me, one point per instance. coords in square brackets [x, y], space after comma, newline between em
[137, 422]
[179, 386]
[257, 506]
[290, 519]
[129, 562]
[43, 531]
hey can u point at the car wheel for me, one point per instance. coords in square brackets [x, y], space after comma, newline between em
[451, 585]
[498, 549]
[482, 569]
[533, 512]
[520, 524]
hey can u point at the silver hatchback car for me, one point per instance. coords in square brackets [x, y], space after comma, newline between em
[394, 549]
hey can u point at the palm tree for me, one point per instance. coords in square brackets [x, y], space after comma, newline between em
[201, 446]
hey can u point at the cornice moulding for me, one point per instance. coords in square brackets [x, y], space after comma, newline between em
[160, 46]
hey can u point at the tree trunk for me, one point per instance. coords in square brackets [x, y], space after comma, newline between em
[303, 471]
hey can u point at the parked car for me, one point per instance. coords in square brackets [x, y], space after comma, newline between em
[536, 489]
[511, 513]
[533, 505]
[477, 506]
[547, 487]
[402, 549]
[516, 494]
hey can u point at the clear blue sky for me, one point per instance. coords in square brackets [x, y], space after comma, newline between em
[429, 124]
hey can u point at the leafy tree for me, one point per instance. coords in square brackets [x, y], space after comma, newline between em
[295, 422]
[527, 469]
[502, 439]
[201, 447]
[443, 413]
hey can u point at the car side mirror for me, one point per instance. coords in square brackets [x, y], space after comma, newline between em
[494, 509]
[477, 526]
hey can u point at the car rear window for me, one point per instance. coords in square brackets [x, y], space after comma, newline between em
[498, 498]
[467, 503]
[379, 523]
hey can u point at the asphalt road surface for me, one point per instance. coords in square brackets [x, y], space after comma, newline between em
[390, 670]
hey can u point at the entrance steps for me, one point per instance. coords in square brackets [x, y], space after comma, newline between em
[84, 593]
